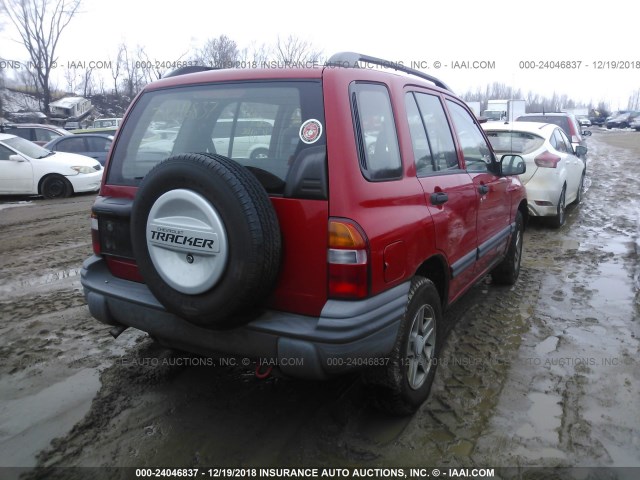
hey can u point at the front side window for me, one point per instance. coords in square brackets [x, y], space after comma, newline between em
[27, 148]
[558, 141]
[5, 153]
[44, 135]
[376, 131]
[445, 157]
[476, 151]
[266, 127]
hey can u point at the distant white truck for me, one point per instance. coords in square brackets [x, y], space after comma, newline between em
[504, 110]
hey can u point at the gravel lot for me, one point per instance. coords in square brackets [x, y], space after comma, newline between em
[544, 373]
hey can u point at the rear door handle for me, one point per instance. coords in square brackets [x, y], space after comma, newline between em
[438, 198]
[483, 189]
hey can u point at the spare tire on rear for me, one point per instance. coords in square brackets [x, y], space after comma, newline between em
[206, 238]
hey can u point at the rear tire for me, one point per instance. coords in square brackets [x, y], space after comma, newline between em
[561, 215]
[401, 386]
[259, 153]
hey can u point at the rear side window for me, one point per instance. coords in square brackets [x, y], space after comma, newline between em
[270, 128]
[71, 145]
[376, 131]
[22, 132]
[97, 144]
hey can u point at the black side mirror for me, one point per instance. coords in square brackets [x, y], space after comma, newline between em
[512, 165]
[581, 151]
[587, 133]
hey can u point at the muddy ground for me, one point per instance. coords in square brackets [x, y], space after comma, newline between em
[541, 374]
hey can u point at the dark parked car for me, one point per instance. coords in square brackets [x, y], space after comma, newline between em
[377, 202]
[37, 133]
[566, 121]
[622, 120]
[598, 119]
[95, 145]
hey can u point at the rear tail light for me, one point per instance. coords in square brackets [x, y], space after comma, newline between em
[95, 234]
[547, 160]
[348, 259]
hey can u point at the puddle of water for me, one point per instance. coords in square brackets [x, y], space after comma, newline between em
[547, 346]
[614, 286]
[47, 279]
[4, 206]
[28, 424]
[545, 416]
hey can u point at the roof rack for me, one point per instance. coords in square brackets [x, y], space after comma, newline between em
[188, 69]
[351, 59]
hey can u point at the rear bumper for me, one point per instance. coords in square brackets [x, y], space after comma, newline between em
[348, 335]
[543, 194]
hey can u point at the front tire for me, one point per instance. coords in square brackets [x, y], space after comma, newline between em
[507, 272]
[56, 186]
[405, 382]
[579, 193]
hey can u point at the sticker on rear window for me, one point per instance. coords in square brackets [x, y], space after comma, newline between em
[310, 131]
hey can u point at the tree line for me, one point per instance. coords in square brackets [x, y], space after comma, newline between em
[41, 23]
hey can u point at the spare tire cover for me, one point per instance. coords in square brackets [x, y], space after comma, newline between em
[206, 238]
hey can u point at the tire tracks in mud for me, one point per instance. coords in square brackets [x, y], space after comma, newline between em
[570, 403]
[303, 422]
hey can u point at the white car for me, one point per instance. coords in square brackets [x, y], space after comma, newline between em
[251, 137]
[28, 169]
[555, 175]
[584, 121]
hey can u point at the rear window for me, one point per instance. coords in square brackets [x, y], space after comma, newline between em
[562, 122]
[268, 127]
[521, 143]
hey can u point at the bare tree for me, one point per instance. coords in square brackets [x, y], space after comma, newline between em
[87, 82]
[293, 51]
[40, 24]
[255, 56]
[132, 70]
[71, 79]
[221, 52]
[634, 101]
[116, 67]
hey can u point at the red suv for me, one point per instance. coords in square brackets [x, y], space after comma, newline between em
[376, 203]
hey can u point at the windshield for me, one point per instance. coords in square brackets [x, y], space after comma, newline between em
[521, 143]
[27, 148]
[493, 114]
[259, 125]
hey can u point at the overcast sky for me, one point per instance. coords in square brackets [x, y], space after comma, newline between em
[502, 32]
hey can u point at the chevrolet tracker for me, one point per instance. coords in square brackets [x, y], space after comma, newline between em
[327, 215]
